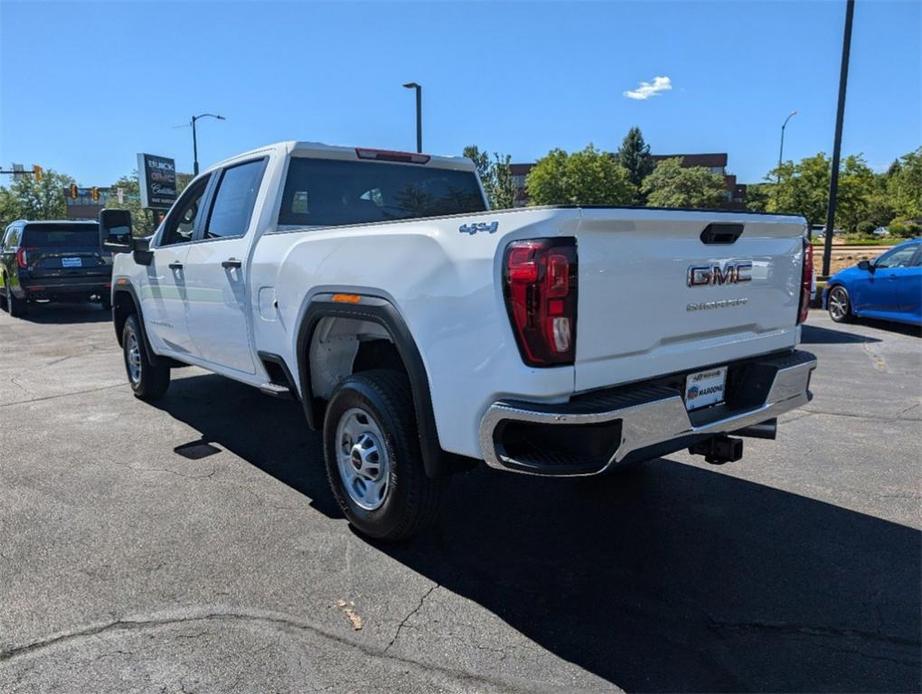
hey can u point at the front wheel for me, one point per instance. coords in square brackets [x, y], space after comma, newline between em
[149, 382]
[838, 304]
[372, 456]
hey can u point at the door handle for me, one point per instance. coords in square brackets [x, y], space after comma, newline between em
[175, 266]
[231, 263]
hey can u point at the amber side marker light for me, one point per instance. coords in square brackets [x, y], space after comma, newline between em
[347, 298]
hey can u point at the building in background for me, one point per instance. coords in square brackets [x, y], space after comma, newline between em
[519, 173]
[714, 162]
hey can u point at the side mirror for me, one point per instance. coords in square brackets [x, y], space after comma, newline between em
[115, 230]
[865, 265]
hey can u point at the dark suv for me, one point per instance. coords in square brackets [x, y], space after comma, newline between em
[60, 261]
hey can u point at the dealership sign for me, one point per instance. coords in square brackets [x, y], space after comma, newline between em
[157, 180]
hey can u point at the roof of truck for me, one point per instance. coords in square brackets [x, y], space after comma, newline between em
[324, 151]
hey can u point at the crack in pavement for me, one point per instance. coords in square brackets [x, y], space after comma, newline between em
[62, 395]
[18, 384]
[403, 623]
[271, 619]
[871, 417]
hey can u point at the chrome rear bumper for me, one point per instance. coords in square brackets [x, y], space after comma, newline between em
[652, 414]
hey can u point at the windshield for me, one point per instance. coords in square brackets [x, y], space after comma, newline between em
[61, 236]
[324, 192]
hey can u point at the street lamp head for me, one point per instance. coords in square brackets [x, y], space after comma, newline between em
[411, 85]
[207, 115]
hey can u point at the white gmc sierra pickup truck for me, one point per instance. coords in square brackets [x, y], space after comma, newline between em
[422, 331]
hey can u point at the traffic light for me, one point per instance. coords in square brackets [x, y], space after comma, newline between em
[94, 193]
[73, 191]
[38, 173]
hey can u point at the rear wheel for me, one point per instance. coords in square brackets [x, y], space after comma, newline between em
[149, 382]
[839, 305]
[373, 460]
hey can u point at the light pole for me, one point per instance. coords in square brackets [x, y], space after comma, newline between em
[195, 141]
[837, 142]
[419, 113]
[781, 151]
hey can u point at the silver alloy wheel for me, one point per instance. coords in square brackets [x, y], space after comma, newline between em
[133, 358]
[362, 459]
[838, 303]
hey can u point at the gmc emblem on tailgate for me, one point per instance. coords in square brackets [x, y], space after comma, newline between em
[709, 275]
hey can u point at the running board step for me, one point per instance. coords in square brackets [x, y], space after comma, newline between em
[276, 390]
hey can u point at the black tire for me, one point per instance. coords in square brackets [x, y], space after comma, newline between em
[16, 307]
[410, 502]
[841, 311]
[148, 382]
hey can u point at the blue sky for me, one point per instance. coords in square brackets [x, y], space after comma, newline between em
[85, 86]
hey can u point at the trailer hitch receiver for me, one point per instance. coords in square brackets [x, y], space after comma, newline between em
[718, 450]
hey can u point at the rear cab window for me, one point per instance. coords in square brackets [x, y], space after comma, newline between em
[61, 236]
[332, 192]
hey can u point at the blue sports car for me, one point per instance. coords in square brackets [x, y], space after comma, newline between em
[888, 288]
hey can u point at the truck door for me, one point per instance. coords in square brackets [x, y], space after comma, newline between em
[165, 299]
[216, 270]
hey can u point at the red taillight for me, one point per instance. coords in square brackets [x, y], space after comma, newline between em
[22, 260]
[540, 286]
[388, 155]
[806, 283]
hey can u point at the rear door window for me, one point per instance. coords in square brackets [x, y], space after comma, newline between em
[330, 192]
[61, 236]
[234, 200]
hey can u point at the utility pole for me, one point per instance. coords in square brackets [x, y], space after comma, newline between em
[837, 144]
[419, 113]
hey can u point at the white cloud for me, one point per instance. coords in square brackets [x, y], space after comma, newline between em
[648, 89]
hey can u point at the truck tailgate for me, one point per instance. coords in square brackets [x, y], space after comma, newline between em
[640, 314]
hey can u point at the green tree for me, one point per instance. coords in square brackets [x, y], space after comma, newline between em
[495, 175]
[757, 195]
[502, 197]
[857, 186]
[587, 177]
[27, 198]
[672, 185]
[634, 155]
[804, 189]
[801, 188]
[904, 185]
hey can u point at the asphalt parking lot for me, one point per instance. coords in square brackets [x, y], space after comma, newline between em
[126, 565]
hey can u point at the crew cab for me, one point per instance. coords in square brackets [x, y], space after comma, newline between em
[423, 332]
[52, 260]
